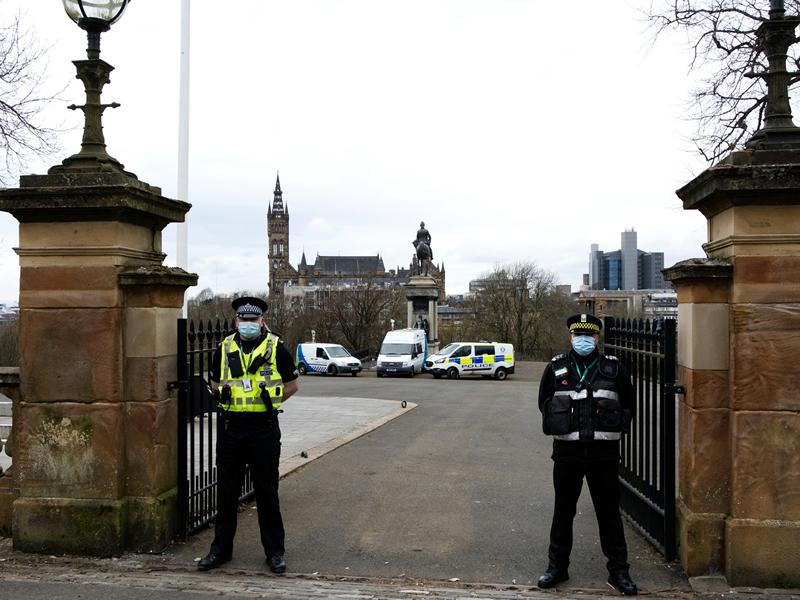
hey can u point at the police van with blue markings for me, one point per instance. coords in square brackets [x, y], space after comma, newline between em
[327, 359]
[488, 359]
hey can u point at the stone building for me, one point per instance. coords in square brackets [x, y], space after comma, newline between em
[327, 272]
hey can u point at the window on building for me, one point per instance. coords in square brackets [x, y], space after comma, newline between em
[280, 249]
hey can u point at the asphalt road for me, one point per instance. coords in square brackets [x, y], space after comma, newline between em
[460, 488]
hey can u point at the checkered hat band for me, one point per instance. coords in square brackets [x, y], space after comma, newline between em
[249, 309]
[584, 327]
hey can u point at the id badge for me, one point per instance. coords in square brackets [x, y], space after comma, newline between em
[247, 385]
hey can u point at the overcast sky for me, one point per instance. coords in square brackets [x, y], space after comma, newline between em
[518, 130]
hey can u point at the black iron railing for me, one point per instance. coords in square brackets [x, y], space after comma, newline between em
[197, 426]
[647, 470]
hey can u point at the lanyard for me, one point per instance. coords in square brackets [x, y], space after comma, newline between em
[585, 370]
[247, 359]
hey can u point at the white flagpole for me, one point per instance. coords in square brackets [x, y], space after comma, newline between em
[182, 253]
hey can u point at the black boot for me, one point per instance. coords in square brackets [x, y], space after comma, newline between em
[212, 561]
[552, 577]
[277, 563]
[621, 581]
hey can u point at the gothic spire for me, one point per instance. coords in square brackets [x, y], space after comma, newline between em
[277, 202]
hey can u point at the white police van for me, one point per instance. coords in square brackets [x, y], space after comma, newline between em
[489, 359]
[330, 359]
[402, 352]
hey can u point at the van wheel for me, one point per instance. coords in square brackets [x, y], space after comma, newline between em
[301, 368]
[332, 370]
[379, 374]
[413, 372]
[500, 374]
[354, 373]
[452, 373]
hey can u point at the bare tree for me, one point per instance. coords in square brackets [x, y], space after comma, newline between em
[207, 306]
[360, 314]
[729, 102]
[23, 97]
[520, 304]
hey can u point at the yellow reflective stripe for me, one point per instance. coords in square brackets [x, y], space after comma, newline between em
[254, 408]
[226, 347]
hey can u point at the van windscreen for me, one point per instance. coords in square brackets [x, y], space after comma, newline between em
[337, 351]
[396, 348]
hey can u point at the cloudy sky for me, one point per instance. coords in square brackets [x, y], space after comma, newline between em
[518, 130]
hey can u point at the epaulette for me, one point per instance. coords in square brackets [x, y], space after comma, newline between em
[558, 357]
[611, 357]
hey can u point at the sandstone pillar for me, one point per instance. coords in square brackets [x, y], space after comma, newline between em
[739, 342]
[95, 431]
[704, 469]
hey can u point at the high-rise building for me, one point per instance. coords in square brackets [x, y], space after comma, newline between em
[627, 268]
[630, 264]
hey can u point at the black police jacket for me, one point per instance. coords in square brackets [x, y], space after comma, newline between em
[586, 403]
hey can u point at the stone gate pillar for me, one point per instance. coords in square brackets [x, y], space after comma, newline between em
[738, 351]
[95, 431]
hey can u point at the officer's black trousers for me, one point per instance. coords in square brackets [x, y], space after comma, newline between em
[252, 439]
[601, 478]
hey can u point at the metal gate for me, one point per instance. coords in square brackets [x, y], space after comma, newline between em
[647, 470]
[197, 426]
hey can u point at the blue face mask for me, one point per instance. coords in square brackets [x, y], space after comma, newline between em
[248, 329]
[583, 344]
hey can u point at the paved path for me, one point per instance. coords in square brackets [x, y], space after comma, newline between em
[152, 577]
[310, 425]
[316, 425]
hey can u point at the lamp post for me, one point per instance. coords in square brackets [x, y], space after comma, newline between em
[94, 17]
[775, 37]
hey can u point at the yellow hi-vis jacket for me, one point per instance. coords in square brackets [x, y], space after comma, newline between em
[244, 397]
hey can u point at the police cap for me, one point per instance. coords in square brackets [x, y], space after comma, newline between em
[584, 324]
[249, 307]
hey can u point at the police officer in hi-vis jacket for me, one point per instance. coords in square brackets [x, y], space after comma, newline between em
[251, 374]
[587, 403]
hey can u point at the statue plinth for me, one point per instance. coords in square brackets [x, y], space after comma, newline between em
[422, 294]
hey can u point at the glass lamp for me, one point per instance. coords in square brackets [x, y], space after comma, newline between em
[95, 17]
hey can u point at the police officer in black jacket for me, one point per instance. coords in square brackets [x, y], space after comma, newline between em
[587, 403]
[252, 372]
